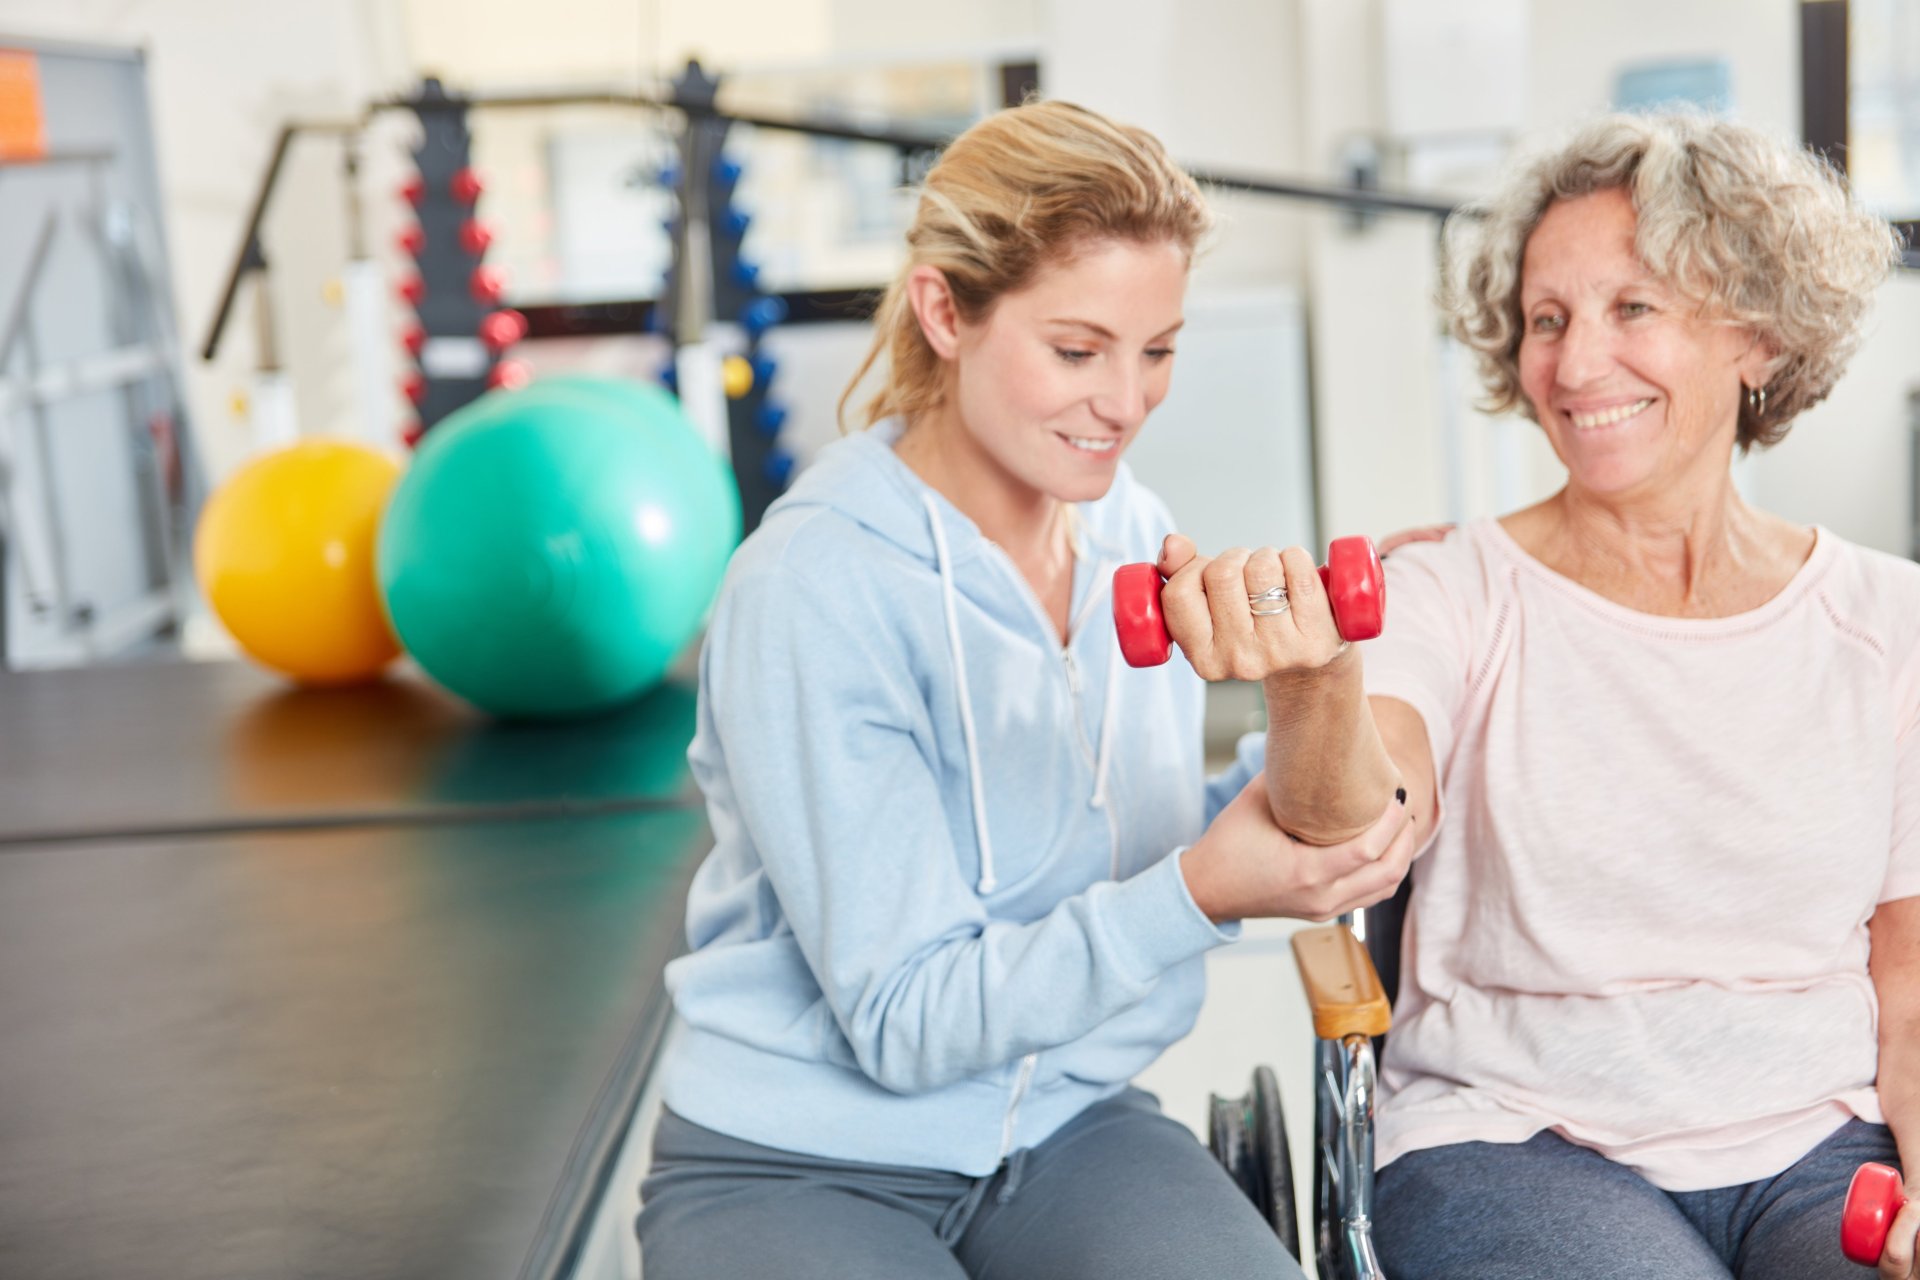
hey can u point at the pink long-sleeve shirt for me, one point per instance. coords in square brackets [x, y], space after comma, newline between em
[1642, 920]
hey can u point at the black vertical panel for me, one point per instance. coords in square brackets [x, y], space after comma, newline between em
[1018, 80]
[1823, 78]
[707, 181]
[1825, 95]
[449, 313]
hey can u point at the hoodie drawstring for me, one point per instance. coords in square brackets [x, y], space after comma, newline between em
[1016, 1166]
[1108, 713]
[987, 882]
[1103, 754]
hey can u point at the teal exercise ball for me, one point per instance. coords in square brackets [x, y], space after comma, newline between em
[552, 549]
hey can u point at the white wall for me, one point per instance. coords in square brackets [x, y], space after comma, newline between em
[1216, 80]
[1847, 464]
[488, 44]
[1576, 48]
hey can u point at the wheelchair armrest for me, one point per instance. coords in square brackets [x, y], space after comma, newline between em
[1343, 989]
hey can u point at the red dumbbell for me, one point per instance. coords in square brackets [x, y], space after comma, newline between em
[475, 236]
[501, 329]
[487, 285]
[465, 186]
[1355, 586]
[510, 375]
[1875, 1195]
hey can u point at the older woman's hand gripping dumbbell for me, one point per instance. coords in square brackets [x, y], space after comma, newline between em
[1874, 1197]
[1355, 586]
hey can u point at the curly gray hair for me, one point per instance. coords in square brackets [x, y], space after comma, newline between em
[1757, 231]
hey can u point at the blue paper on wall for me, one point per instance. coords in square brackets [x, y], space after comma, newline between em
[1700, 82]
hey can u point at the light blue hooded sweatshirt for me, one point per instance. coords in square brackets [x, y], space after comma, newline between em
[944, 911]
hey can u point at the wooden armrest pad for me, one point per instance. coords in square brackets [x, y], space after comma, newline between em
[1342, 987]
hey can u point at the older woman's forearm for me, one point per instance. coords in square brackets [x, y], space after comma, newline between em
[1899, 1085]
[1328, 773]
[1894, 963]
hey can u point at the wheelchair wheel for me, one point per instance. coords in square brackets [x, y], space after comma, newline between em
[1248, 1136]
[1230, 1141]
[1274, 1156]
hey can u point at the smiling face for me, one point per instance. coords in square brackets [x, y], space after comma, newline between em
[1055, 381]
[1638, 392]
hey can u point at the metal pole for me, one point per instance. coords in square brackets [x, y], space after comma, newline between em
[248, 258]
[267, 360]
[14, 337]
[66, 618]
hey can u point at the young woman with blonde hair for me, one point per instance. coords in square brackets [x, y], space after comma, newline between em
[966, 866]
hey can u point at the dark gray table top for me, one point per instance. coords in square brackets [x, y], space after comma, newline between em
[203, 747]
[370, 1052]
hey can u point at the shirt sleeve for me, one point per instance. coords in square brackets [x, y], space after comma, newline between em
[1436, 600]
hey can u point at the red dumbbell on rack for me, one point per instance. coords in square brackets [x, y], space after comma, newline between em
[1355, 585]
[1874, 1197]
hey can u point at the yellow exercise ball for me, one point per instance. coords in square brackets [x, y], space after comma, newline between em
[736, 376]
[284, 555]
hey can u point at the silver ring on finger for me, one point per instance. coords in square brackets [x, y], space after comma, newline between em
[1270, 603]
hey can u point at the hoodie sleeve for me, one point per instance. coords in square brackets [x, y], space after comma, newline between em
[822, 732]
[1249, 759]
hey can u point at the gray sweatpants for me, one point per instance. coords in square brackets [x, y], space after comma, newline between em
[1120, 1193]
[1546, 1207]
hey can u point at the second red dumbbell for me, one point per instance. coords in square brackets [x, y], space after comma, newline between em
[1356, 588]
[1874, 1196]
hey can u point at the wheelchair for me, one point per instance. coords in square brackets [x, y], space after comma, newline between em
[1350, 987]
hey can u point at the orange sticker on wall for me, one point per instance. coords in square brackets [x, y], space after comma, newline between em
[23, 126]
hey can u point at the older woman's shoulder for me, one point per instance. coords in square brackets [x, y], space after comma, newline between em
[1873, 569]
[1472, 553]
[1463, 575]
[1875, 591]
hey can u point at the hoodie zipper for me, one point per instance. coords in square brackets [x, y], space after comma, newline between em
[1025, 1078]
[1071, 666]
[1067, 661]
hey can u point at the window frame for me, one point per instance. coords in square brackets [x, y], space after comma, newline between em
[1825, 97]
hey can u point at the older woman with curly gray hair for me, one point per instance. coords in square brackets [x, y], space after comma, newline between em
[1660, 985]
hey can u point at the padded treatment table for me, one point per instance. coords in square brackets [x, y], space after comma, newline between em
[197, 747]
[375, 997]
